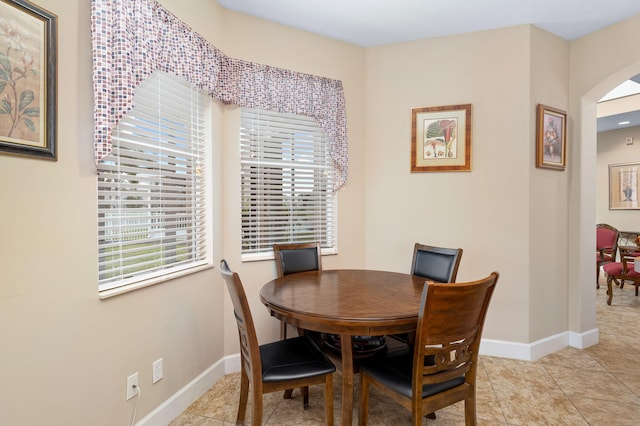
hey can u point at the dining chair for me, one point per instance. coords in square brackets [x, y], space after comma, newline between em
[619, 272]
[296, 257]
[277, 366]
[606, 247]
[440, 369]
[438, 264]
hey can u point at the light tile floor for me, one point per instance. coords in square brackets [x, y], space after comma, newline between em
[599, 385]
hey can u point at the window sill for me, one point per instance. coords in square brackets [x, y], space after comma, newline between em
[106, 294]
[254, 257]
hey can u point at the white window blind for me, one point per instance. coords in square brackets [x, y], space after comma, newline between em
[151, 188]
[286, 181]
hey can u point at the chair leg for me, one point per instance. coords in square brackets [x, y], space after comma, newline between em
[364, 401]
[305, 396]
[470, 411]
[244, 394]
[256, 412]
[609, 290]
[328, 400]
[283, 335]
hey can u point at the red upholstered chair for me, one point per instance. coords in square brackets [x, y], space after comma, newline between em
[606, 247]
[622, 271]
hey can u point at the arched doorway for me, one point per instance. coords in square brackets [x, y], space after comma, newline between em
[588, 88]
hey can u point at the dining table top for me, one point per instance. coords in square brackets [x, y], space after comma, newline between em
[360, 301]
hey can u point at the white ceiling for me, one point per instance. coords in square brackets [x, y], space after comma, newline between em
[369, 23]
[375, 22]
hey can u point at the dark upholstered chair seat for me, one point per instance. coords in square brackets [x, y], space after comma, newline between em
[293, 359]
[394, 371]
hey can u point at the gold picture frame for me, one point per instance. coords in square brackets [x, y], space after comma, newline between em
[624, 183]
[28, 80]
[551, 138]
[441, 138]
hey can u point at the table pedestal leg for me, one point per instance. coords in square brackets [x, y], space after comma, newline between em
[347, 379]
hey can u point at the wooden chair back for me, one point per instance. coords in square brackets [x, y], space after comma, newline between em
[449, 331]
[297, 257]
[436, 263]
[606, 247]
[606, 238]
[445, 355]
[249, 347]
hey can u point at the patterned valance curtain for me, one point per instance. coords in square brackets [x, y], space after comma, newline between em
[133, 38]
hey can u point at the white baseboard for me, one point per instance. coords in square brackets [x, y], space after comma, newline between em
[174, 406]
[538, 349]
[232, 364]
[181, 400]
[584, 340]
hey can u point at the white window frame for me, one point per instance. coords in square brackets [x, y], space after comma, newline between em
[286, 179]
[154, 227]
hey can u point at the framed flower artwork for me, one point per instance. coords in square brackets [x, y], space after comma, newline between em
[441, 138]
[28, 37]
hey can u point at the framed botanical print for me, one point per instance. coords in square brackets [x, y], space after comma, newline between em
[28, 37]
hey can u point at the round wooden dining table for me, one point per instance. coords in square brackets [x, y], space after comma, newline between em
[348, 303]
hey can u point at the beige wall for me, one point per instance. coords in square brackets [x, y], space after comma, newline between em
[474, 210]
[493, 211]
[548, 195]
[66, 354]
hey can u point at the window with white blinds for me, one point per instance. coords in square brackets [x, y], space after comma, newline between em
[151, 188]
[286, 182]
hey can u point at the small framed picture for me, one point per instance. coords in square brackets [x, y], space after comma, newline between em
[624, 182]
[441, 138]
[551, 138]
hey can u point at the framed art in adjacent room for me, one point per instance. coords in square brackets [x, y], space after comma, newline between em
[623, 186]
[28, 48]
[441, 138]
[551, 138]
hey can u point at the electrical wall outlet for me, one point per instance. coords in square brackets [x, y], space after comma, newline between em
[157, 371]
[132, 381]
